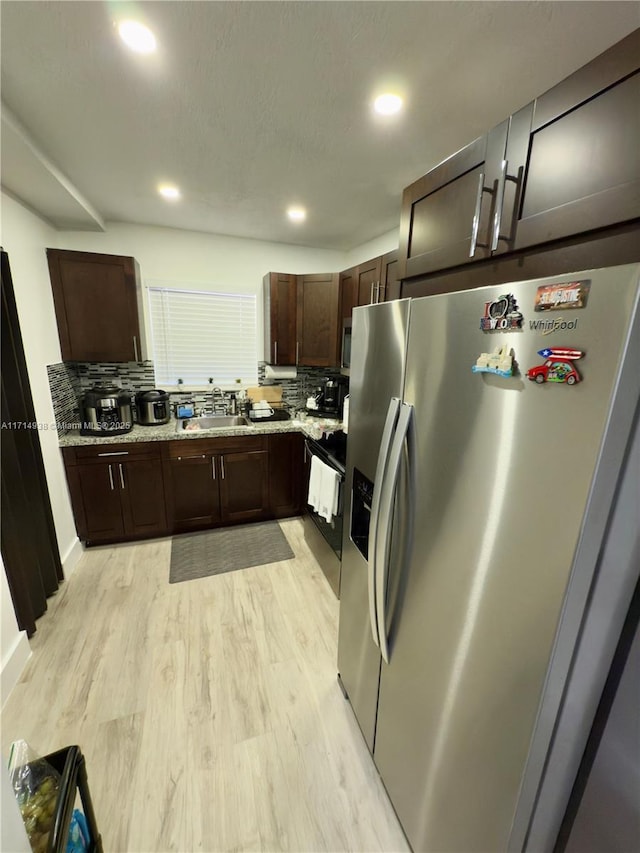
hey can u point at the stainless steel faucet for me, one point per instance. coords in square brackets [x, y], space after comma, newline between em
[218, 402]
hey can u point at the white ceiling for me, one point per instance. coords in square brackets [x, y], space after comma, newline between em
[251, 106]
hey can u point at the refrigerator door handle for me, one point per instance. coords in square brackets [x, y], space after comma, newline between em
[386, 512]
[383, 455]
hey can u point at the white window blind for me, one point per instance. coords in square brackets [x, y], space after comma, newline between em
[199, 334]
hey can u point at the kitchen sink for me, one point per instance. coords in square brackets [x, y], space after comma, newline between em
[211, 422]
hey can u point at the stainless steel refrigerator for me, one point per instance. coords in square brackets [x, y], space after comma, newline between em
[490, 434]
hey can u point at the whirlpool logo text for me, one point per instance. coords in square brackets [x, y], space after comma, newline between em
[547, 327]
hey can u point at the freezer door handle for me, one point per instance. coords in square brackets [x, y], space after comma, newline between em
[383, 455]
[383, 538]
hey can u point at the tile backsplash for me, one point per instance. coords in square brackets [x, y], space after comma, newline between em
[68, 381]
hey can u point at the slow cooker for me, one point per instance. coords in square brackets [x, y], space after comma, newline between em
[153, 407]
[106, 409]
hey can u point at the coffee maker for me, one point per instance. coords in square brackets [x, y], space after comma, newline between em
[334, 390]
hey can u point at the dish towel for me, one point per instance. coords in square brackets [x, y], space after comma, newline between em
[329, 493]
[324, 489]
[315, 482]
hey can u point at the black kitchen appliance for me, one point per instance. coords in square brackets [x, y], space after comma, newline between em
[106, 409]
[152, 407]
[330, 396]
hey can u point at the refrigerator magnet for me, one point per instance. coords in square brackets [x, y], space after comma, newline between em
[563, 296]
[499, 362]
[559, 366]
[501, 315]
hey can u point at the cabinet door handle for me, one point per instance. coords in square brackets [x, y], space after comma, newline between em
[275, 352]
[497, 216]
[371, 295]
[222, 466]
[377, 292]
[213, 467]
[297, 351]
[135, 348]
[111, 477]
[476, 216]
[119, 453]
[199, 456]
[121, 475]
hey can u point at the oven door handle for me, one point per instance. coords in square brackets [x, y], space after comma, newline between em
[312, 452]
[383, 458]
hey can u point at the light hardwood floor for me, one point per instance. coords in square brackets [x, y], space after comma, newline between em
[208, 711]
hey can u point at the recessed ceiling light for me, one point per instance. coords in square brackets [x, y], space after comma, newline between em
[137, 36]
[297, 214]
[387, 104]
[169, 192]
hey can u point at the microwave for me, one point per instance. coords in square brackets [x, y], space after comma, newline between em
[345, 362]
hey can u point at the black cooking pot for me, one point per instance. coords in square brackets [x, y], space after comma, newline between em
[106, 408]
[153, 407]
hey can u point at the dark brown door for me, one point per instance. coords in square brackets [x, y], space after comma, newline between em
[29, 544]
[447, 214]
[142, 494]
[285, 474]
[348, 292]
[95, 298]
[244, 485]
[98, 489]
[390, 287]
[369, 280]
[318, 343]
[193, 498]
[572, 163]
[281, 290]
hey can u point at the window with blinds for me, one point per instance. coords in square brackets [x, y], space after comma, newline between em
[198, 334]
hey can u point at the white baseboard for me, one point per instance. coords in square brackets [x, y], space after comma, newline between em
[14, 661]
[71, 558]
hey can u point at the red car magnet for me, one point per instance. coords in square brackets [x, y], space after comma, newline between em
[559, 366]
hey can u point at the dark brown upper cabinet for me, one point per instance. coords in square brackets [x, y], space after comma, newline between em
[447, 214]
[390, 281]
[348, 292]
[572, 162]
[280, 300]
[370, 282]
[564, 165]
[318, 332]
[97, 301]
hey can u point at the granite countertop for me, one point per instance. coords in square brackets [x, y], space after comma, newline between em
[309, 426]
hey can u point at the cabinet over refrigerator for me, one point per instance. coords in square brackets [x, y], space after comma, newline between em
[476, 545]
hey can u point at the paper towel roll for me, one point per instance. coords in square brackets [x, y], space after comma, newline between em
[271, 372]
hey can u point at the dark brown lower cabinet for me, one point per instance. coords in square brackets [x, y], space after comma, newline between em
[286, 453]
[159, 488]
[142, 495]
[116, 494]
[214, 481]
[193, 496]
[94, 494]
[243, 485]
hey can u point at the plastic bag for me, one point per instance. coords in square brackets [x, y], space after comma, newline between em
[79, 837]
[35, 784]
